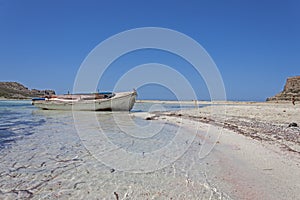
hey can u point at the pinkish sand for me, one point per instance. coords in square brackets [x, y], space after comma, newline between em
[251, 152]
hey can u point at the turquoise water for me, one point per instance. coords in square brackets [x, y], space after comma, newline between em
[103, 155]
[18, 118]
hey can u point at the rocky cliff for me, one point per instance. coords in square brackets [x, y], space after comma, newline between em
[14, 90]
[291, 89]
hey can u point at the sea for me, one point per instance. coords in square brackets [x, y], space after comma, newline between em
[99, 155]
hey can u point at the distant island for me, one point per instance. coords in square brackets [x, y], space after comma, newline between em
[15, 90]
[291, 91]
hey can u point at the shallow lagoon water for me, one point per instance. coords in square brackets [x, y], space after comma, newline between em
[49, 155]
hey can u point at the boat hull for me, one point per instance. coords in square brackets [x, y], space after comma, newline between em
[123, 101]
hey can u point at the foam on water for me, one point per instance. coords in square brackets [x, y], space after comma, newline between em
[45, 157]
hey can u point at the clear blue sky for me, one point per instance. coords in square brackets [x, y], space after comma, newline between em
[255, 44]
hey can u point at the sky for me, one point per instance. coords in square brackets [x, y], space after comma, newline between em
[254, 44]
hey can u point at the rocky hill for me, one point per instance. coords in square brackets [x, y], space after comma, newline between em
[14, 90]
[291, 89]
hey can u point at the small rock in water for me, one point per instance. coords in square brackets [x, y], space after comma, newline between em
[150, 117]
[112, 170]
[293, 124]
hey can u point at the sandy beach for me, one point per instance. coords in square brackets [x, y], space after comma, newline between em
[149, 100]
[254, 150]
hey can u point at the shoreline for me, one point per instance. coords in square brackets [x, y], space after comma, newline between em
[275, 123]
[6, 99]
[204, 102]
[258, 151]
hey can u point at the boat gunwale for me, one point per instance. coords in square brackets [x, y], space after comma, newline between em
[84, 101]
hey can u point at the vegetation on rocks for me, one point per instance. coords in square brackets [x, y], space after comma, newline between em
[14, 90]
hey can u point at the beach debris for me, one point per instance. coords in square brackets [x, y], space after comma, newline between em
[293, 124]
[43, 164]
[188, 181]
[67, 160]
[254, 128]
[76, 184]
[117, 196]
[151, 117]
[22, 194]
[18, 168]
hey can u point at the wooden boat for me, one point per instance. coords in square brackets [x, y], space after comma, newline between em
[107, 101]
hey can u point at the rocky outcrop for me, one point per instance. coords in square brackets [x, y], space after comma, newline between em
[291, 90]
[14, 90]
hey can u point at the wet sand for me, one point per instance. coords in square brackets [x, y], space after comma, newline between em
[252, 150]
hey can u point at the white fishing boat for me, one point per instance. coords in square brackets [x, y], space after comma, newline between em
[107, 101]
